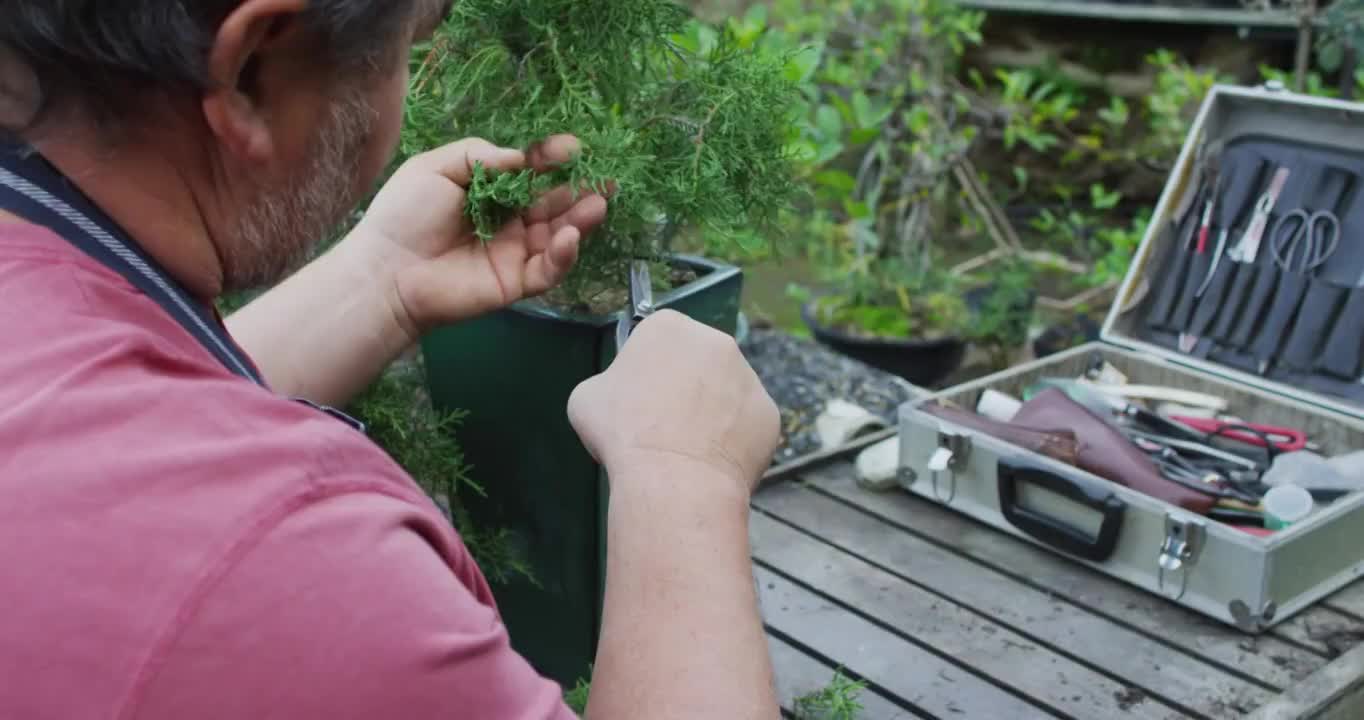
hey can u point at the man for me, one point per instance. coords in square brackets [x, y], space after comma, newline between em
[179, 541]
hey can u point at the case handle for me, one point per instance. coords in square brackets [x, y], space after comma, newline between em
[1056, 532]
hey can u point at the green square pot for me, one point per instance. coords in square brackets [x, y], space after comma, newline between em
[513, 372]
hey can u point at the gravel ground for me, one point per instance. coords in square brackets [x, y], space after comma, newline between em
[803, 376]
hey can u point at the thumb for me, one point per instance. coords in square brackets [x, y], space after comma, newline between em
[456, 161]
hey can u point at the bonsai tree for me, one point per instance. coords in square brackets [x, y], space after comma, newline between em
[684, 129]
[681, 129]
[888, 128]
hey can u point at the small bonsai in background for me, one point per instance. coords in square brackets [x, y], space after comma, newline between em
[887, 127]
[686, 133]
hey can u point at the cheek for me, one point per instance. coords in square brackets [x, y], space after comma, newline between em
[388, 123]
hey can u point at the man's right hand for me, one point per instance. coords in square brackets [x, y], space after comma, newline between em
[678, 391]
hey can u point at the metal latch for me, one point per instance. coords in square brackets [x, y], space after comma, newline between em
[953, 451]
[1184, 539]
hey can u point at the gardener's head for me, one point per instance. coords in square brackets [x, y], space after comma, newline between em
[279, 114]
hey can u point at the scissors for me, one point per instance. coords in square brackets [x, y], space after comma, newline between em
[1284, 439]
[1316, 234]
[641, 302]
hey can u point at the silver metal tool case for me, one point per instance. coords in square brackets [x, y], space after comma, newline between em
[1249, 581]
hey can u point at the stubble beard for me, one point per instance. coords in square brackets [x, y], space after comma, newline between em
[279, 232]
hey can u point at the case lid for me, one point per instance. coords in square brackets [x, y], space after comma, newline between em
[1260, 316]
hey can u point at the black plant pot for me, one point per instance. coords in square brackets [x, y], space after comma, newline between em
[1058, 338]
[922, 362]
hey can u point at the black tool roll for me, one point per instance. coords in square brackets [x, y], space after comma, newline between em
[1300, 322]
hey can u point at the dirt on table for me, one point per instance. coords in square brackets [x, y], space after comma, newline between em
[803, 376]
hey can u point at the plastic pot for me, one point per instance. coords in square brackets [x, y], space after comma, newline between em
[512, 372]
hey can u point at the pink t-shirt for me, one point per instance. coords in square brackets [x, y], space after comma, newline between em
[177, 543]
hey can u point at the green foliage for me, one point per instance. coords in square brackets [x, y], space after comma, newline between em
[400, 418]
[682, 123]
[879, 305]
[839, 700]
[576, 698]
[1344, 27]
[884, 128]
[1004, 313]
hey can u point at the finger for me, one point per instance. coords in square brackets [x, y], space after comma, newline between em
[456, 160]
[585, 215]
[553, 151]
[551, 205]
[547, 269]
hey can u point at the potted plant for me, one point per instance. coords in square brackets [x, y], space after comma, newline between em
[688, 127]
[887, 133]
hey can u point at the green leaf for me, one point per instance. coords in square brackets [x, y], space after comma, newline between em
[802, 65]
[828, 121]
[827, 152]
[756, 15]
[799, 293]
[918, 120]
[856, 210]
[844, 109]
[1102, 199]
[863, 135]
[836, 179]
[862, 111]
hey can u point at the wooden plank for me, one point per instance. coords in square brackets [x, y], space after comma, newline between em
[923, 680]
[1349, 599]
[799, 674]
[1324, 630]
[1083, 636]
[1335, 692]
[1265, 658]
[991, 649]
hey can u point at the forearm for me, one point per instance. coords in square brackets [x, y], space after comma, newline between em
[326, 332]
[681, 634]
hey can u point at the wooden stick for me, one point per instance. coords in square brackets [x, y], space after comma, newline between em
[1306, 18]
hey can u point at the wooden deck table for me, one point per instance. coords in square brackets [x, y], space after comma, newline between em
[944, 617]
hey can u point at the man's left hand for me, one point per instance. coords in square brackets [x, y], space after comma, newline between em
[415, 234]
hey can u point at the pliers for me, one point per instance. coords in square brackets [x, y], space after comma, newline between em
[641, 302]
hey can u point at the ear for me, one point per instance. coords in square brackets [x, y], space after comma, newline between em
[20, 93]
[233, 106]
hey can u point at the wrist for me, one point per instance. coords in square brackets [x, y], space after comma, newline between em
[373, 272]
[679, 478]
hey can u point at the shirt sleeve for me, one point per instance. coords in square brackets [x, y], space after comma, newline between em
[344, 609]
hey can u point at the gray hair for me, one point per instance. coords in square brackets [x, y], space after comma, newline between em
[102, 54]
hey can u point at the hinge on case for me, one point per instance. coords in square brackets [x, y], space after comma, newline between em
[1179, 551]
[953, 451]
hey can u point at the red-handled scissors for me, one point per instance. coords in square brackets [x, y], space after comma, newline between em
[1284, 439]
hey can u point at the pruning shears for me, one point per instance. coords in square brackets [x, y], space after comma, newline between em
[641, 302]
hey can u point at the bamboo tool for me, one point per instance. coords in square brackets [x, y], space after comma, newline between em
[1163, 394]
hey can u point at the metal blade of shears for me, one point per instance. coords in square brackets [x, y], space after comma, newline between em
[641, 302]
